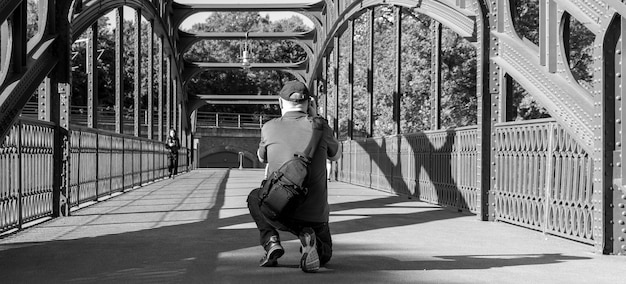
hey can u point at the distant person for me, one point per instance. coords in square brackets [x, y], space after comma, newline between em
[280, 139]
[173, 144]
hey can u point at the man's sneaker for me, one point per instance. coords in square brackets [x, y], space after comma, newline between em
[310, 261]
[273, 250]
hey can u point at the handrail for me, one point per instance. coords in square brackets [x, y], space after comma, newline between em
[232, 120]
[97, 163]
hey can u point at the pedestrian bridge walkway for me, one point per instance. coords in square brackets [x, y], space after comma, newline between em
[196, 229]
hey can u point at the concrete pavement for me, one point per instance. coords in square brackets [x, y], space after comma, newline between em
[196, 229]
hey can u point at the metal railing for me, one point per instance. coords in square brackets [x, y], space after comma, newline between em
[436, 166]
[232, 120]
[544, 180]
[100, 163]
[25, 173]
[543, 177]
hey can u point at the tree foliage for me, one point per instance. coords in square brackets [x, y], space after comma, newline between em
[262, 51]
[458, 71]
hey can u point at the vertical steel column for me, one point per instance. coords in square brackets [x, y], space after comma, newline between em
[160, 88]
[137, 79]
[179, 125]
[398, 69]
[607, 159]
[174, 106]
[168, 95]
[150, 71]
[370, 73]
[119, 84]
[92, 93]
[553, 35]
[178, 109]
[487, 88]
[619, 193]
[325, 84]
[92, 77]
[543, 32]
[336, 82]
[59, 94]
[435, 103]
[351, 79]
[119, 71]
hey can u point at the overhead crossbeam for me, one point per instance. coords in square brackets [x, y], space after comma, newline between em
[192, 68]
[304, 39]
[239, 99]
[182, 11]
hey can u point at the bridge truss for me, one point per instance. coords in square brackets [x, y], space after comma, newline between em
[562, 176]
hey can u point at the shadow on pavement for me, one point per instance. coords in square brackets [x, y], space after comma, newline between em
[205, 252]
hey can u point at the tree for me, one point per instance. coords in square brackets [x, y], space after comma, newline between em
[241, 81]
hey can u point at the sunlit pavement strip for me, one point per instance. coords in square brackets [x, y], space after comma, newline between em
[196, 229]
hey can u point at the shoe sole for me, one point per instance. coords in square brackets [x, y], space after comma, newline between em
[310, 261]
[272, 259]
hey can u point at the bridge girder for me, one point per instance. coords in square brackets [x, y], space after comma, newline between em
[182, 11]
[298, 69]
[592, 114]
[303, 39]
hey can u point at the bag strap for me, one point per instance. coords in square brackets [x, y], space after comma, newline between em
[318, 130]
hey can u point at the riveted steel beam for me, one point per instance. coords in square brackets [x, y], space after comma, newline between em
[193, 68]
[150, 106]
[182, 11]
[304, 39]
[137, 76]
[239, 99]
[397, 92]
[370, 72]
[336, 84]
[168, 94]
[92, 77]
[435, 94]
[160, 101]
[119, 70]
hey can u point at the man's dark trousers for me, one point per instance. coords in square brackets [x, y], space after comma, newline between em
[322, 232]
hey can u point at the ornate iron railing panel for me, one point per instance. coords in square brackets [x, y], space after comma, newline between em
[544, 180]
[36, 155]
[435, 166]
[10, 180]
[25, 176]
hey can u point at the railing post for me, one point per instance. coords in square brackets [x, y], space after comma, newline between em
[97, 163]
[238, 120]
[549, 169]
[217, 119]
[19, 173]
